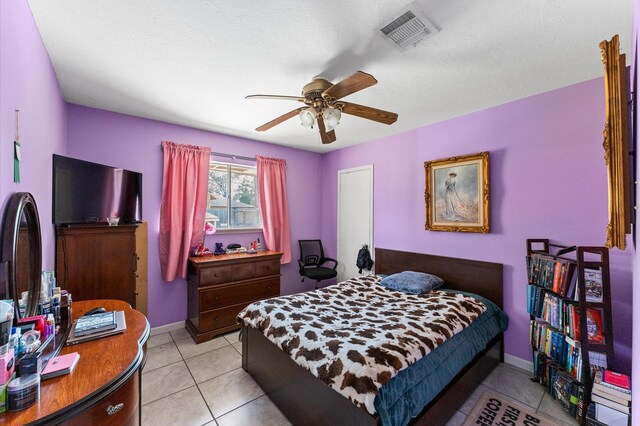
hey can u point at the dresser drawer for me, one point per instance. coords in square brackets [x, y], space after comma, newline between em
[239, 293]
[218, 318]
[119, 408]
[215, 275]
[244, 271]
[267, 267]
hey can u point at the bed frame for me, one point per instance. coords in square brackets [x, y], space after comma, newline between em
[304, 399]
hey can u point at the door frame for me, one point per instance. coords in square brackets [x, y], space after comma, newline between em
[347, 171]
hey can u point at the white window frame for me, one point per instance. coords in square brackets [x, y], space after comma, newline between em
[236, 230]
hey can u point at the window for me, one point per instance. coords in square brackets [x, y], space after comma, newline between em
[233, 197]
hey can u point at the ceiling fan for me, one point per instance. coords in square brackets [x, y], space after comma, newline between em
[324, 105]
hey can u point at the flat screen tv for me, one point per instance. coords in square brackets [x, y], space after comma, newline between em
[85, 192]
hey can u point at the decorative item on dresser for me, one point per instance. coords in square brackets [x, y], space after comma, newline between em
[220, 287]
[103, 262]
[571, 333]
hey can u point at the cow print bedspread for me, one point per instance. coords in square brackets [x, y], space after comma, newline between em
[355, 336]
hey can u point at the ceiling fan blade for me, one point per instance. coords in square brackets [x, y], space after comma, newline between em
[355, 82]
[369, 113]
[279, 120]
[283, 97]
[332, 136]
[326, 137]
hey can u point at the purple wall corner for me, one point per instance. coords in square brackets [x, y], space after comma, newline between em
[28, 83]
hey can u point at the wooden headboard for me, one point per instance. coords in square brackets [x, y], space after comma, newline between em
[474, 276]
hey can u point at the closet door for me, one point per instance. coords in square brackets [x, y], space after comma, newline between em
[355, 218]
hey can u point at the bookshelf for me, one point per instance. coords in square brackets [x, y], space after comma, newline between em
[571, 333]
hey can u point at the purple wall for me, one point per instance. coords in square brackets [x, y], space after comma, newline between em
[134, 143]
[635, 83]
[548, 180]
[28, 83]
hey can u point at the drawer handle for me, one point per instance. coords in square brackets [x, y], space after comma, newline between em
[217, 298]
[268, 287]
[111, 410]
[216, 275]
[215, 319]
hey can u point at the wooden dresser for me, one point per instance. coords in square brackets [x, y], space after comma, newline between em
[103, 262]
[221, 286]
[104, 387]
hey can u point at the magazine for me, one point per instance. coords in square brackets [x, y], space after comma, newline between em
[593, 285]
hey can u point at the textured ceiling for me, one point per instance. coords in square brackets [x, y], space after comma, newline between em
[192, 62]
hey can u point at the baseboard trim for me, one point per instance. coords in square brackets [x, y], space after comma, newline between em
[518, 362]
[166, 328]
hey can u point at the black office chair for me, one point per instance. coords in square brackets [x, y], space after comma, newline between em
[312, 262]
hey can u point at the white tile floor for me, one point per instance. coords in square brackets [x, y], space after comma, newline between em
[188, 384]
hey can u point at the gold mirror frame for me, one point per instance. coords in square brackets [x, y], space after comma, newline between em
[616, 145]
[436, 223]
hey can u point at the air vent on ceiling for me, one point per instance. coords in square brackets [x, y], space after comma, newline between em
[408, 27]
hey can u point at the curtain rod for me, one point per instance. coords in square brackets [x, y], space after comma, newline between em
[235, 157]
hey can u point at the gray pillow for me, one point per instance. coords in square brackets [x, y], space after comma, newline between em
[412, 282]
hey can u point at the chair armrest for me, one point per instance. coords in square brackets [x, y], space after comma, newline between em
[301, 267]
[329, 259]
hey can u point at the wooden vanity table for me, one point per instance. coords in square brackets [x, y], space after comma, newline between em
[104, 387]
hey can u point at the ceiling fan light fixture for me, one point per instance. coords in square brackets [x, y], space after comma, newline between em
[331, 117]
[308, 117]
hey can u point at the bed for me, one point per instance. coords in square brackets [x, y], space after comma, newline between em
[305, 399]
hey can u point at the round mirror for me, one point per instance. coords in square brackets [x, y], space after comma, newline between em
[22, 252]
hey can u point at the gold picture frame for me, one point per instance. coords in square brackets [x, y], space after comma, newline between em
[616, 144]
[457, 193]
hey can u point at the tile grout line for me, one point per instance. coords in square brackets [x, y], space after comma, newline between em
[242, 405]
[171, 394]
[198, 384]
[162, 366]
[198, 387]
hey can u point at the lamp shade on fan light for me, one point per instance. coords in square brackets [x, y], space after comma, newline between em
[308, 118]
[331, 118]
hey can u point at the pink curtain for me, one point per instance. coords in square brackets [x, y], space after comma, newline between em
[184, 202]
[272, 190]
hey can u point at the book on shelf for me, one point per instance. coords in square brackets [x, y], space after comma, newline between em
[611, 404]
[575, 323]
[594, 326]
[598, 415]
[608, 388]
[580, 406]
[97, 323]
[557, 275]
[593, 285]
[562, 391]
[598, 359]
[569, 290]
[622, 400]
[60, 365]
[616, 379]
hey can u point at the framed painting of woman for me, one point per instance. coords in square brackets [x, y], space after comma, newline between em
[457, 193]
